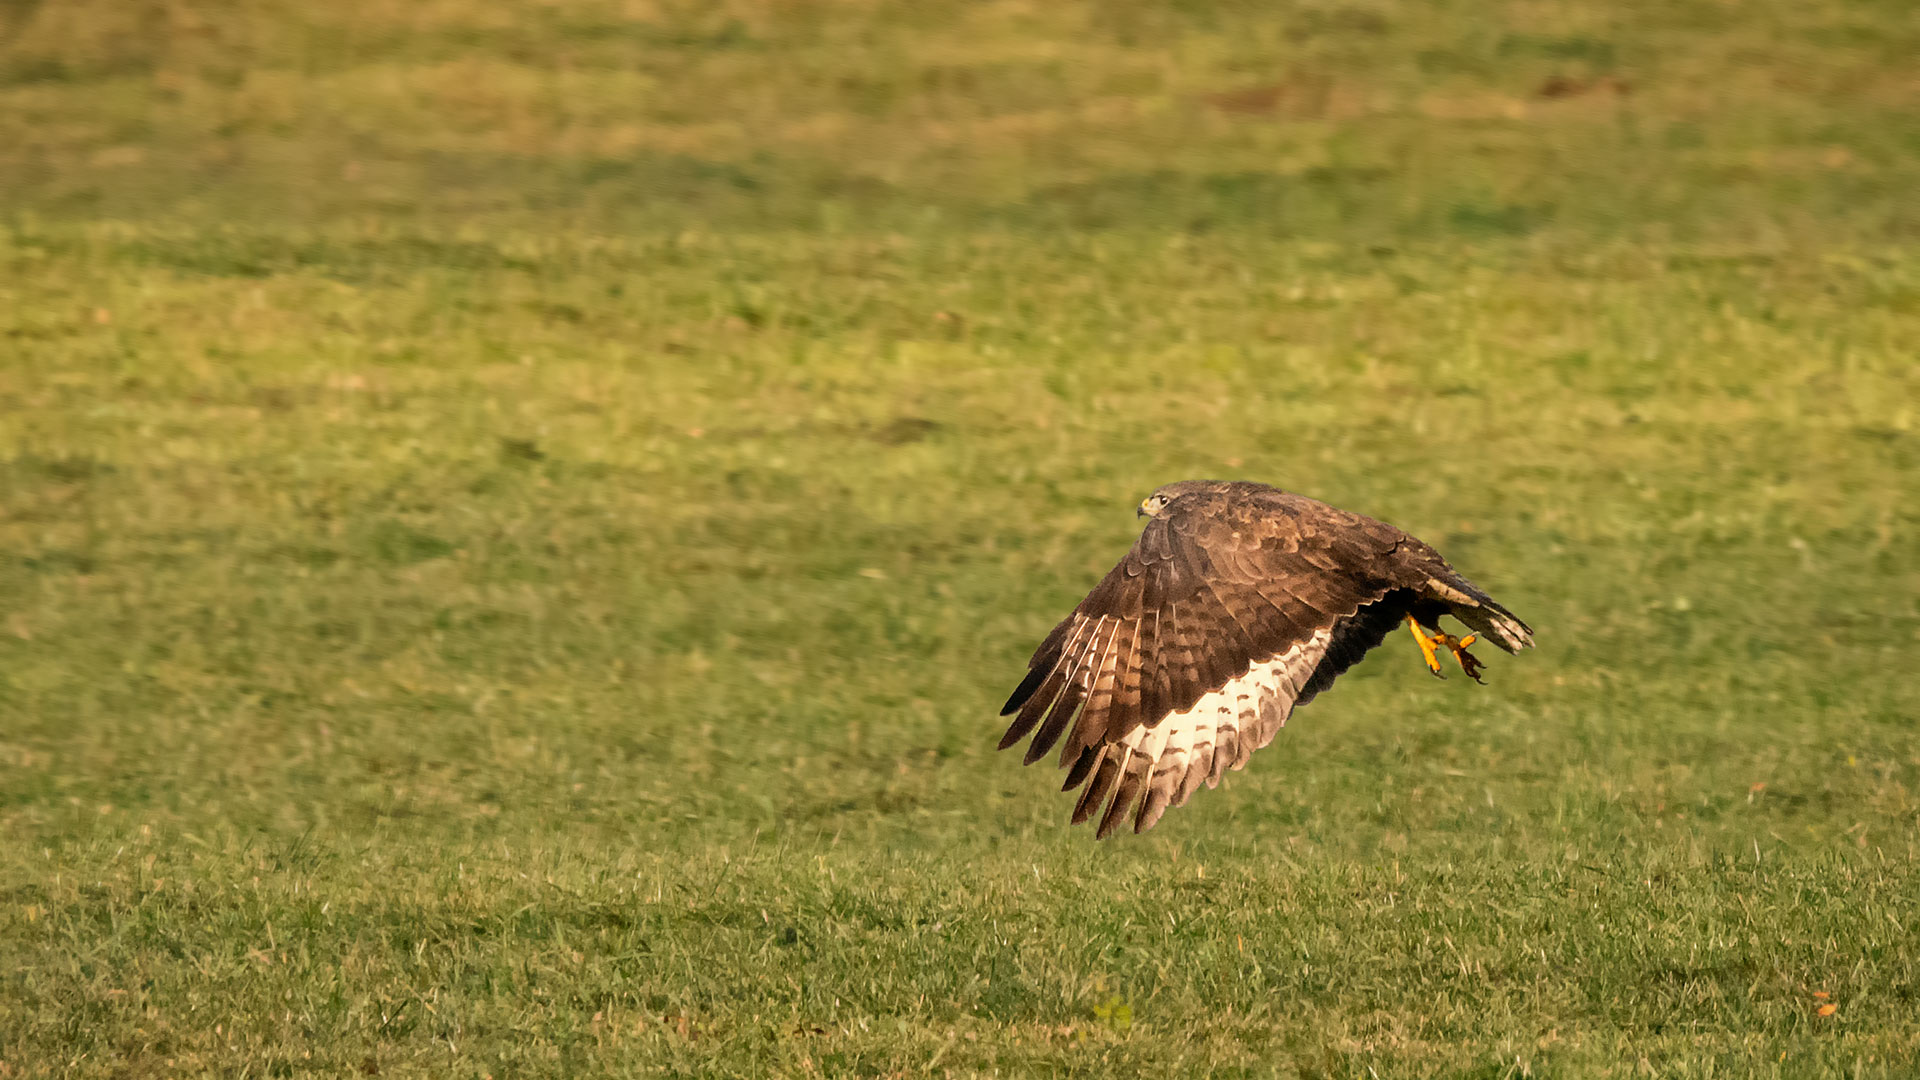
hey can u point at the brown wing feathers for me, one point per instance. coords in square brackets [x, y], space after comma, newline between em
[1237, 603]
[1071, 674]
[1107, 706]
[1200, 602]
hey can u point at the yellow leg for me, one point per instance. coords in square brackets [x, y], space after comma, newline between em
[1426, 647]
[1430, 644]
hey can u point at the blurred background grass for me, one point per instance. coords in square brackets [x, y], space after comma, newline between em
[515, 518]
[1750, 123]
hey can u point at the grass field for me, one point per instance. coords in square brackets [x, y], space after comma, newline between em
[516, 518]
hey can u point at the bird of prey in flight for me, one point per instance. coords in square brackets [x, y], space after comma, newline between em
[1238, 603]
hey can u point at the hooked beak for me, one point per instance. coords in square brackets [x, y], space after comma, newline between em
[1141, 511]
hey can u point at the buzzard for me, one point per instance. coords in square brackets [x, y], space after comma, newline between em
[1238, 603]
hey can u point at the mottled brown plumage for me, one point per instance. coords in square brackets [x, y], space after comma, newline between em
[1238, 603]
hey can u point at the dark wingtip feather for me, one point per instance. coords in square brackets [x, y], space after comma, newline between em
[1082, 765]
[1062, 712]
[1121, 807]
[1034, 707]
[1031, 711]
[1016, 731]
[1098, 788]
[1152, 805]
[1025, 690]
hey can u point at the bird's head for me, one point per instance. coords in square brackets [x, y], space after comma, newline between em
[1152, 505]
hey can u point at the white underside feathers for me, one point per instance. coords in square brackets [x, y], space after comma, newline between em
[1219, 732]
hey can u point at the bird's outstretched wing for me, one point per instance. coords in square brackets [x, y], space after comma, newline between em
[1193, 651]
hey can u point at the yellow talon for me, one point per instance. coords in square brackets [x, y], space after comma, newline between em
[1456, 646]
[1426, 647]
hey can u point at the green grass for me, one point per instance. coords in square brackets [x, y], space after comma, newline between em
[515, 521]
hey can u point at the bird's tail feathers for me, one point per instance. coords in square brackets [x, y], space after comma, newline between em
[1492, 621]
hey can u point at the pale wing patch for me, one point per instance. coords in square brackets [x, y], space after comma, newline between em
[1083, 659]
[1448, 593]
[1170, 759]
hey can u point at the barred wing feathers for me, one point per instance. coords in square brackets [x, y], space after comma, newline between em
[1231, 609]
